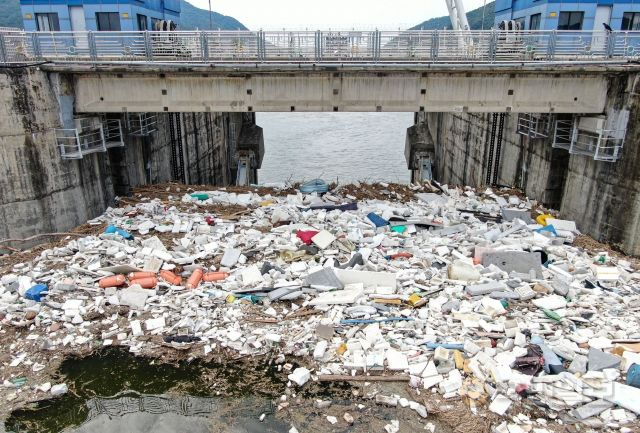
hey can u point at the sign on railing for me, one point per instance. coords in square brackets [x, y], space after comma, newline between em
[410, 46]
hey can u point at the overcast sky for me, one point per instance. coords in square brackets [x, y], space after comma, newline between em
[314, 14]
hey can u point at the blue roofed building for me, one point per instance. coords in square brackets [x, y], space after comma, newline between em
[570, 14]
[99, 15]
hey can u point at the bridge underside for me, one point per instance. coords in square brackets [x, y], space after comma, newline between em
[554, 90]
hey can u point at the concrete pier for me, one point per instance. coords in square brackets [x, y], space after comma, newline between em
[40, 192]
[602, 197]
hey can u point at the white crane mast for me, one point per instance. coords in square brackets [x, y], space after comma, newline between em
[457, 14]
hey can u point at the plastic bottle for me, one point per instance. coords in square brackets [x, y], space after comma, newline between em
[194, 279]
[214, 276]
[112, 281]
[145, 283]
[171, 278]
[138, 275]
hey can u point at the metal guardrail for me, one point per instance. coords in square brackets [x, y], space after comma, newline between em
[411, 46]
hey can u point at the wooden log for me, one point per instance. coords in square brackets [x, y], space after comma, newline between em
[347, 378]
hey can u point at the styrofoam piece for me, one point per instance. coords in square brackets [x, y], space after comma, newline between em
[367, 278]
[551, 302]
[346, 296]
[565, 225]
[251, 275]
[323, 239]
[300, 376]
[153, 324]
[230, 257]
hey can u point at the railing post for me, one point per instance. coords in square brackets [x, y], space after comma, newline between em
[493, 46]
[611, 44]
[551, 47]
[35, 42]
[262, 46]
[4, 56]
[435, 45]
[93, 49]
[148, 48]
[318, 41]
[204, 45]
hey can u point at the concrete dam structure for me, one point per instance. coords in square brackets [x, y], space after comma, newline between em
[534, 111]
[41, 191]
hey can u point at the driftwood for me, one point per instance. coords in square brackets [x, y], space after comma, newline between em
[347, 378]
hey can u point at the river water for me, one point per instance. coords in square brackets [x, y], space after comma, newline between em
[348, 147]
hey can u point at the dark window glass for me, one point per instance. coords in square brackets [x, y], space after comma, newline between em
[108, 21]
[631, 21]
[534, 22]
[47, 22]
[520, 23]
[570, 20]
[142, 22]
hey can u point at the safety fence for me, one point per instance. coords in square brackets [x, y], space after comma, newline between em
[410, 46]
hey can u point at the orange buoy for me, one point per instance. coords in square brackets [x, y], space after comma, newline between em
[142, 274]
[171, 278]
[194, 279]
[214, 276]
[145, 283]
[112, 281]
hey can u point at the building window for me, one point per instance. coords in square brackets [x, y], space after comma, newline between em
[534, 22]
[631, 21]
[570, 20]
[142, 22]
[47, 22]
[519, 23]
[108, 21]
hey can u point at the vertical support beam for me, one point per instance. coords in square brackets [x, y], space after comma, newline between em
[611, 45]
[551, 47]
[493, 45]
[318, 41]
[93, 49]
[262, 55]
[435, 45]
[148, 46]
[377, 37]
[204, 45]
[35, 42]
[494, 124]
[496, 167]
[3, 50]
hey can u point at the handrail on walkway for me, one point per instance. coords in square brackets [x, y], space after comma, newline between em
[320, 46]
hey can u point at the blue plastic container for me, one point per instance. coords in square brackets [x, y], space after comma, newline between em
[113, 229]
[377, 220]
[36, 292]
[316, 185]
[633, 376]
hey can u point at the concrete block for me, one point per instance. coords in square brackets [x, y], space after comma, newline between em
[518, 261]
[133, 297]
[591, 409]
[599, 360]
[485, 289]
[579, 364]
[521, 214]
[324, 278]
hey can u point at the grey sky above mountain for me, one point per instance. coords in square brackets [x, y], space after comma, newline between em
[337, 14]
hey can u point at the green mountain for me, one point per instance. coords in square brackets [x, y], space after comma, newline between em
[10, 13]
[191, 17]
[474, 17]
